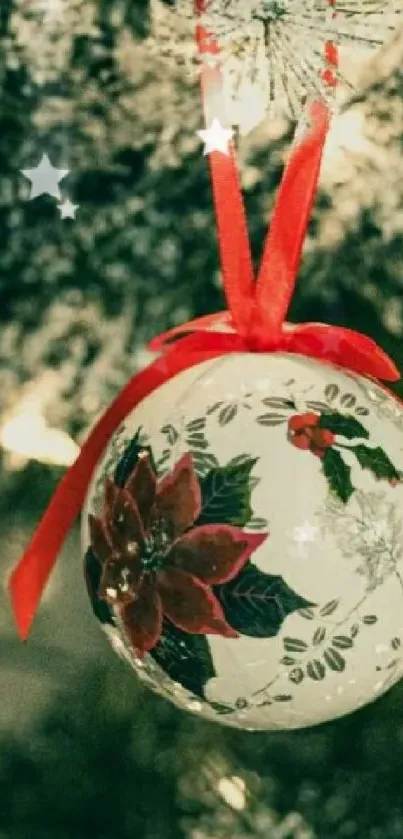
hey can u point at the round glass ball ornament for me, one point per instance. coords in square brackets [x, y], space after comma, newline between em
[243, 540]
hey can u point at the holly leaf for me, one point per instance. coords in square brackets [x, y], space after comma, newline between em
[295, 645]
[278, 402]
[271, 419]
[316, 670]
[226, 493]
[345, 426]
[377, 462]
[196, 424]
[331, 391]
[197, 440]
[334, 660]
[319, 635]
[369, 619]
[256, 604]
[317, 405]
[92, 573]
[129, 459]
[337, 474]
[348, 400]
[227, 414]
[184, 658]
[170, 433]
[296, 675]
[288, 660]
[214, 407]
[342, 642]
[307, 614]
[329, 607]
[203, 462]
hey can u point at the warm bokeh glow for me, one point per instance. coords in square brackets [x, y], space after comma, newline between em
[26, 435]
[233, 791]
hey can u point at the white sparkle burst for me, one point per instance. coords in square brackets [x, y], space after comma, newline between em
[278, 47]
[302, 536]
[305, 533]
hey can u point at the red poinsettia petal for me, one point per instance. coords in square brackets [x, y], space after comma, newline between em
[119, 582]
[124, 526]
[215, 553]
[100, 542]
[179, 496]
[191, 605]
[142, 486]
[142, 619]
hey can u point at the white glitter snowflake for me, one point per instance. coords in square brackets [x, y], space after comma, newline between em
[369, 532]
[276, 49]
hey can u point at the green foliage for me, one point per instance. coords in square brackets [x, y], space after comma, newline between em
[108, 759]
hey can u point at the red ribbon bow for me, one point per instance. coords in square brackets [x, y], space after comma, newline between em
[254, 322]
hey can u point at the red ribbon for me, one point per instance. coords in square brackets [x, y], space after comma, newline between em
[254, 322]
[333, 344]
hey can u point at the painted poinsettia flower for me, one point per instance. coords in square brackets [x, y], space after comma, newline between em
[303, 432]
[157, 562]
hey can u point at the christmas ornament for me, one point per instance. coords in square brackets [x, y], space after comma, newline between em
[242, 535]
[243, 540]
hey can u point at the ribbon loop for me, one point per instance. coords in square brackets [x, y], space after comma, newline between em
[233, 238]
[284, 243]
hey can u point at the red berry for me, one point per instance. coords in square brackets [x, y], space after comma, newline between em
[300, 421]
[317, 451]
[301, 441]
[322, 437]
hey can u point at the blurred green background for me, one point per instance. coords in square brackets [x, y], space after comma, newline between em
[84, 750]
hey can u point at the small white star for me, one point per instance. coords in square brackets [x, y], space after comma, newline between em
[67, 209]
[45, 178]
[210, 60]
[306, 532]
[216, 138]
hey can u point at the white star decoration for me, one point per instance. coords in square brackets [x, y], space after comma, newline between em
[209, 60]
[304, 533]
[67, 209]
[45, 178]
[216, 138]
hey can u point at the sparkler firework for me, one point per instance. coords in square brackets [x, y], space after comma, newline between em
[282, 52]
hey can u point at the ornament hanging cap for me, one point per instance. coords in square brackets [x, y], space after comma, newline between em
[254, 321]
